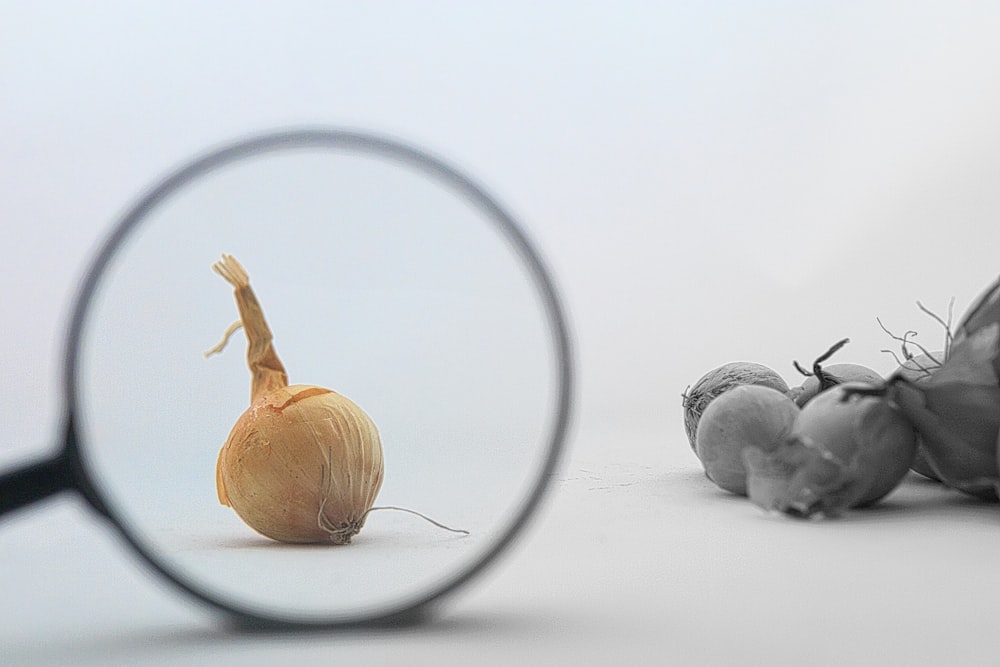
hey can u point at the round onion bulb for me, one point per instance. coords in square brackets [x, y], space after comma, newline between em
[864, 429]
[302, 464]
[718, 381]
[744, 416]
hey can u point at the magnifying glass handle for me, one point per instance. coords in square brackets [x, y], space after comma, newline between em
[42, 478]
[26, 485]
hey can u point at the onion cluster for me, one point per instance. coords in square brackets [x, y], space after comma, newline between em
[805, 450]
[846, 437]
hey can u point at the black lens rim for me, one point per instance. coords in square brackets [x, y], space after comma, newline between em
[387, 148]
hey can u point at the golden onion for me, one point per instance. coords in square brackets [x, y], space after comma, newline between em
[302, 463]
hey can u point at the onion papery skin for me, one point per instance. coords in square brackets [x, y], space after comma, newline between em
[959, 425]
[303, 464]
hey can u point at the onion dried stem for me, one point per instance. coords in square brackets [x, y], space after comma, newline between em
[825, 379]
[268, 373]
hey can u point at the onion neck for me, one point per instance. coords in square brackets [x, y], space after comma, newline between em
[267, 371]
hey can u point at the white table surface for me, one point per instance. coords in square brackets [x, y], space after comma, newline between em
[634, 560]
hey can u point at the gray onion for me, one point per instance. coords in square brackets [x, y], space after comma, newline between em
[719, 380]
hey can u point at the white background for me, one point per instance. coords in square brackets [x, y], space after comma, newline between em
[708, 183]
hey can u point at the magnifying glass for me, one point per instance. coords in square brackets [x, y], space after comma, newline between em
[388, 278]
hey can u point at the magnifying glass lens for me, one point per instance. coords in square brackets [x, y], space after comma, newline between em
[380, 281]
